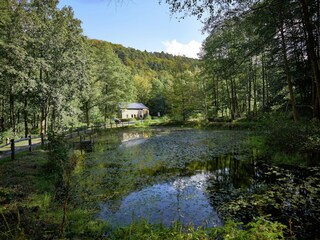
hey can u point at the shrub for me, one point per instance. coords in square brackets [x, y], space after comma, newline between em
[285, 135]
[260, 228]
[7, 134]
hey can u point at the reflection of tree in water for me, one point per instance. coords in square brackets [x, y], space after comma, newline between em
[227, 173]
[124, 176]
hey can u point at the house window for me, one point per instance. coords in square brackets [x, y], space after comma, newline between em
[131, 115]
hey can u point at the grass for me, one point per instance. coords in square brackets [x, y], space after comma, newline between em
[23, 175]
[26, 190]
[259, 147]
[20, 144]
[260, 228]
[29, 207]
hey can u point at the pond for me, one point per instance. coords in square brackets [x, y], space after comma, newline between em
[196, 177]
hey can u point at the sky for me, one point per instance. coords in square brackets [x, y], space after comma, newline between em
[140, 24]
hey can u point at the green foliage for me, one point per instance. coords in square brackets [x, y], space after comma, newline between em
[58, 155]
[165, 83]
[7, 134]
[257, 144]
[289, 142]
[38, 72]
[281, 158]
[248, 66]
[291, 202]
[283, 141]
[260, 228]
[285, 135]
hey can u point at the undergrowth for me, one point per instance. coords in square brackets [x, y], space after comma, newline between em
[260, 228]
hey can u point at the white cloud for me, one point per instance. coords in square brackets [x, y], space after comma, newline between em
[190, 49]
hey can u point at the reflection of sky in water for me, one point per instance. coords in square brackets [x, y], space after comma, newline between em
[145, 155]
[131, 143]
[132, 139]
[183, 200]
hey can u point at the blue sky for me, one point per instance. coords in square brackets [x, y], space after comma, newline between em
[140, 24]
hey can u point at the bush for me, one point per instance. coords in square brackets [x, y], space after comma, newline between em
[7, 134]
[59, 151]
[286, 136]
[260, 228]
[286, 141]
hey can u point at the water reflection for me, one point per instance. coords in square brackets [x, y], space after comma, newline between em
[228, 173]
[183, 200]
[187, 199]
[130, 139]
[168, 176]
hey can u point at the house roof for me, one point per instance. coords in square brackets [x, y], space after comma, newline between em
[132, 106]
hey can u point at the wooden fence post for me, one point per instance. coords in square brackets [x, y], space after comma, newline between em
[30, 143]
[12, 149]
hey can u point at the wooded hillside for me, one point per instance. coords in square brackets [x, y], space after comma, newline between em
[53, 78]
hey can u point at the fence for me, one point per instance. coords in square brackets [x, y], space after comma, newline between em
[43, 138]
[16, 149]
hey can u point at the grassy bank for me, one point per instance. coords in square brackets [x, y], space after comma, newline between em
[280, 141]
[260, 228]
[36, 201]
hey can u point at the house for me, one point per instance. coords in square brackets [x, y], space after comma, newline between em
[132, 110]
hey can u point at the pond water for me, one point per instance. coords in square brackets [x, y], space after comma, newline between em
[196, 177]
[167, 175]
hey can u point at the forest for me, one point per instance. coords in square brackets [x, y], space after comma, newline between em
[258, 72]
[266, 60]
[53, 77]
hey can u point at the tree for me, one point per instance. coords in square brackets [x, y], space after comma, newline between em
[60, 52]
[112, 79]
[274, 30]
[15, 60]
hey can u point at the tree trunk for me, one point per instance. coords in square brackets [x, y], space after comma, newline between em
[249, 89]
[12, 113]
[263, 82]
[2, 116]
[38, 119]
[312, 46]
[314, 100]
[87, 113]
[26, 129]
[43, 121]
[229, 100]
[255, 108]
[105, 113]
[53, 119]
[288, 74]
[34, 121]
[234, 100]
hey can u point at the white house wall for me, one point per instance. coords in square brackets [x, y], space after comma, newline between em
[133, 113]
